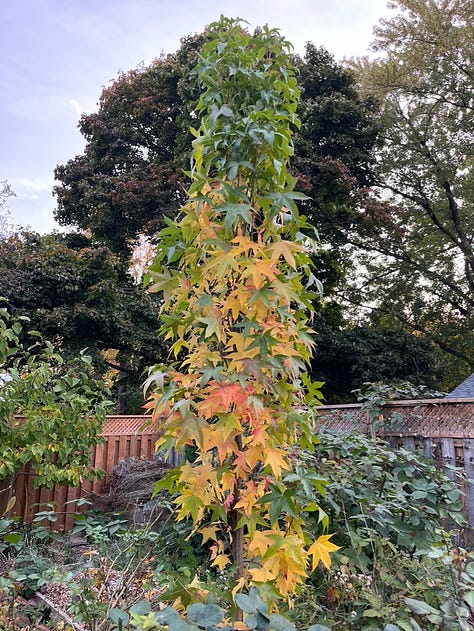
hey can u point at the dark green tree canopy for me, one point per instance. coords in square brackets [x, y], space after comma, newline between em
[131, 172]
[81, 296]
[348, 358]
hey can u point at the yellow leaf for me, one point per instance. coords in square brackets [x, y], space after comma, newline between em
[320, 551]
[10, 504]
[209, 532]
[263, 575]
[240, 583]
[276, 460]
[261, 270]
[286, 249]
[234, 304]
[244, 244]
[221, 561]
[260, 543]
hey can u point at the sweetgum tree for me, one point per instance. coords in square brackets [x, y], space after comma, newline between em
[234, 272]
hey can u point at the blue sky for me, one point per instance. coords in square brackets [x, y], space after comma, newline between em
[56, 55]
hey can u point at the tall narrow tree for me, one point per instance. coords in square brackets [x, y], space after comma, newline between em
[234, 272]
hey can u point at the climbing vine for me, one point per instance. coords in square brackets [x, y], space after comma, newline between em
[234, 272]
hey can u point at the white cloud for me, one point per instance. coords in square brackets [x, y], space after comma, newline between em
[31, 188]
[69, 101]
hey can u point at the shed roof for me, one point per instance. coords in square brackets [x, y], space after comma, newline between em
[464, 390]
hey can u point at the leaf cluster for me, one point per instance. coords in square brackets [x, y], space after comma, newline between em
[371, 488]
[51, 410]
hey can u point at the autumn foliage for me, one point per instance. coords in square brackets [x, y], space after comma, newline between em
[236, 284]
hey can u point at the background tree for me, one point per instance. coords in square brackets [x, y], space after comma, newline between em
[346, 359]
[419, 258]
[130, 177]
[82, 297]
[130, 174]
[5, 192]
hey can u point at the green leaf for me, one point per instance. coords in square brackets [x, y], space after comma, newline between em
[204, 615]
[469, 598]
[318, 627]
[280, 623]
[171, 618]
[257, 621]
[470, 569]
[245, 603]
[118, 616]
[141, 608]
[435, 618]
[420, 607]
[234, 212]
[371, 613]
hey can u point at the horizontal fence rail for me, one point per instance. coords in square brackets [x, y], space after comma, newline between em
[443, 429]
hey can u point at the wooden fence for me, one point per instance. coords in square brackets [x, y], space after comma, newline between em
[123, 436]
[443, 429]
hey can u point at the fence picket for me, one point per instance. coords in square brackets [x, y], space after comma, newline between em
[469, 472]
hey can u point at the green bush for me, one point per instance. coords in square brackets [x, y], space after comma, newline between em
[387, 509]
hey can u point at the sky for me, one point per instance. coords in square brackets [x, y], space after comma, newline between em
[57, 55]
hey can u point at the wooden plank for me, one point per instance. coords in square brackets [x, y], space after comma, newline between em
[19, 490]
[408, 443]
[32, 496]
[60, 499]
[469, 471]
[133, 446]
[392, 441]
[100, 456]
[150, 448]
[112, 454]
[428, 448]
[448, 455]
[123, 448]
[73, 493]
[45, 499]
